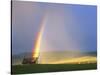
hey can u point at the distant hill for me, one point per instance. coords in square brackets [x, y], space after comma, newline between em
[18, 58]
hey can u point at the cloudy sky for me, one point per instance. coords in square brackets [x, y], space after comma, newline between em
[66, 27]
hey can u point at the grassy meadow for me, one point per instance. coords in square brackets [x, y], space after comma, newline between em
[41, 68]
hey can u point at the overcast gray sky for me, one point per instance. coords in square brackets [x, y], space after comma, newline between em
[67, 27]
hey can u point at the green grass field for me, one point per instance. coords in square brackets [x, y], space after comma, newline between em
[40, 68]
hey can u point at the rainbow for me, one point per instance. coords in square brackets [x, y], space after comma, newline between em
[36, 51]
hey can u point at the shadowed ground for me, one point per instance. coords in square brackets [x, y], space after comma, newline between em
[40, 68]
